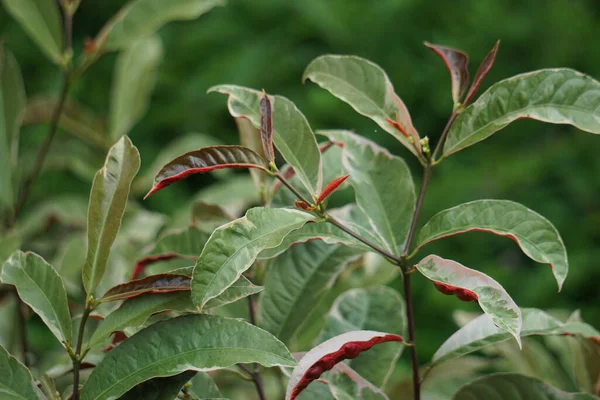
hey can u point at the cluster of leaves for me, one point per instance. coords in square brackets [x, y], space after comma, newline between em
[154, 324]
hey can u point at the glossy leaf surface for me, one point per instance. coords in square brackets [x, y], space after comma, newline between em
[193, 342]
[16, 382]
[536, 236]
[108, 199]
[233, 247]
[161, 283]
[292, 134]
[451, 277]
[457, 63]
[40, 287]
[558, 96]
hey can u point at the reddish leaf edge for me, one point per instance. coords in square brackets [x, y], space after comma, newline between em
[484, 69]
[451, 290]
[463, 72]
[330, 188]
[142, 263]
[266, 127]
[120, 292]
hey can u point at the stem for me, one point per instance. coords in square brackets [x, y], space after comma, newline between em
[411, 338]
[77, 356]
[438, 147]
[293, 189]
[415, 219]
[255, 374]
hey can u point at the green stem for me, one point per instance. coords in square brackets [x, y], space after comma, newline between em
[255, 374]
[77, 357]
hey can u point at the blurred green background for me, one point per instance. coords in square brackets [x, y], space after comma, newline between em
[554, 170]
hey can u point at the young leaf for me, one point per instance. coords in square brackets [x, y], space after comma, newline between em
[534, 234]
[266, 127]
[232, 248]
[16, 382]
[40, 287]
[250, 137]
[41, 20]
[514, 386]
[366, 88]
[468, 284]
[162, 388]
[457, 63]
[331, 186]
[205, 160]
[379, 309]
[193, 342]
[161, 283]
[558, 96]
[326, 355]
[141, 18]
[291, 133]
[297, 281]
[108, 199]
[134, 78]
[482, 72]
[389, 208]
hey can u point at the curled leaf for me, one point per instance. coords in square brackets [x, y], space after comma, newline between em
[331, 186]
[457, 63]
[266, 127]
[483, 70]
[161, 283]
[141, 264]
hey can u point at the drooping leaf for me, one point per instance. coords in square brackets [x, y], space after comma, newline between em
[193, 342]
[161, 283]
[16, 382]
[326, 355]
[233, 247]
[41, 20]
[468, 284]
[330, 188]
[133, 82]
[534, 234]
[457, 63]
[166, 388]
[266, 127]
[205, 160]
[378, 309]
[558, 96]
[366, 88]
[292, 134]
[297, 281]
[40, 287]
[389, 208]
[108, 199]
[482, 72]
[141, 18]
[514, 386]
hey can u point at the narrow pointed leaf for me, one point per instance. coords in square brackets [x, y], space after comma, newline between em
[205, 160]
[326, 355]
[389, 208]
[378, 309]
[161, 283]
[266, 127]
[468, 284]
[514, 386]
[16, 382]
[534, 234]
[366, 88]
[133, 82]
[297, 281]
[457, 63]
[292, 134]
[41, 20]
[141, 18]
[166, 388]
[193, 342]
[330, 188]
[40, 287]
[558, 96]
[233, 247]
[250, 137]
[482, 72]
[108, 199]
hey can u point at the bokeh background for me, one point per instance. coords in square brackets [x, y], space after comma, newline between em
[553, 170]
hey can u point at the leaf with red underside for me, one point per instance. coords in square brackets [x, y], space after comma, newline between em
[329, 353]
[161, 283]
[468, 284]
[331, 186]
[141, 264]
[266, 127]
[205, 160]
[483, 70]
[457, 63]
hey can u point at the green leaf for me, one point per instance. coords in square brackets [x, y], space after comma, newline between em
[389, 208]
[377, 309]
[208, 217]
[558, 96]
[9, 330]
[250, 137]
[141, 18]
[204, 387]
[9, 243]
[193, 342]
[42, 22]
[346, 384]
[40, 287]
[292, 134]
[108, 199]
[366, 88]
[16, 382]
[468, 284]
[232, 248]
[534, 234]
[240, 289]
[161, 283]
[163, 388]
[134, 78]
[514, 386]
[297, 281]
[68, 210]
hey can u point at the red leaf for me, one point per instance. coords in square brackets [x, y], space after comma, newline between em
[457, 63]
[397, 126]
[331, 186]
[302, 205]
[483, 70]
[462, 294]
[205, 160]
[161, 283]
[266, 127]
[144, 262]
[329, 353]
[118, 337]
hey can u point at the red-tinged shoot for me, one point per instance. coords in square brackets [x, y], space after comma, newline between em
[302, 205]
[462, 294]
[141, 265]
[266, 127]
[483, 70]
[457, 63]
[330, 188]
